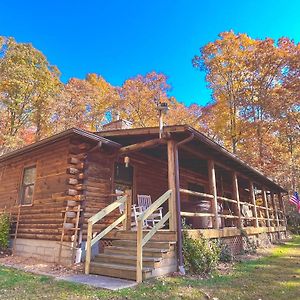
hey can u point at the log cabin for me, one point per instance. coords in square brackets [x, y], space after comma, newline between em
[74, 197]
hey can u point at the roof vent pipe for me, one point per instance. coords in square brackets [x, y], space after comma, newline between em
[162, 108]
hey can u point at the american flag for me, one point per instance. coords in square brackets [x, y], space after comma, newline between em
[295, 200]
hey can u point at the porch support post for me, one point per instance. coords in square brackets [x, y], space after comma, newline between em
[236, 196]
[264, 198]
[213, 191]
[253, 200]
[174, 200]
[173, 181]
[275, 208]
[281, 208]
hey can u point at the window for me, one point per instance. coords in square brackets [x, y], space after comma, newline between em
[123, 174]
[27, 185]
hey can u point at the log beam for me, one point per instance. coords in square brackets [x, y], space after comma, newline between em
[140, 146]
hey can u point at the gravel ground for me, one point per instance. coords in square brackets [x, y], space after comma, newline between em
[33, 265]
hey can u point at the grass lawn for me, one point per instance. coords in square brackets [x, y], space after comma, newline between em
[273, 277]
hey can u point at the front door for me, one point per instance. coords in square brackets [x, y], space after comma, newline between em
[123, 180]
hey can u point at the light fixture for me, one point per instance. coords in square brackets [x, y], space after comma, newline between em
[126, 161]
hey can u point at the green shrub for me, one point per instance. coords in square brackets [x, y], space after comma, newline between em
[200, 255]
[4, 231]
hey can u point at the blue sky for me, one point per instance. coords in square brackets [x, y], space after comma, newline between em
[120, 39]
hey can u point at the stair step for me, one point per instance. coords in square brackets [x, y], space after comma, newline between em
[150, 252]
[152, 262]
[150, 244]
[118, 270]
[162, 235]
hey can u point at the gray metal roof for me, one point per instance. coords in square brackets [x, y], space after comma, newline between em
[86, 135]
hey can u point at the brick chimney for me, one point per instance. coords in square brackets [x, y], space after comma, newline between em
[117, 125]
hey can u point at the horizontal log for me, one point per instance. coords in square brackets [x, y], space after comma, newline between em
[43, 237]
[72, 198]
[140, 146]
[184, 191]
[41, 226]
[191, 214]
[34, 211]
[226, 199]
[228, 216]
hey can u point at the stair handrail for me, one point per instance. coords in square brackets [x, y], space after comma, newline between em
[96, 218]
[140, 240]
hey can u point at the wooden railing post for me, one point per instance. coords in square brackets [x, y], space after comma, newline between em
[253, 200]
[213, 191]
[139, 251]
[88, 248]
[264, 198]
[127, 210]
[173, 185]
[236, 196]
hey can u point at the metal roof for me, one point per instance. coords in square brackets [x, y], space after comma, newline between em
[86, 135]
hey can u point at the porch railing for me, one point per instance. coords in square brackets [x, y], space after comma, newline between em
[96, 218]
[268, 219]
[208, 214]
[141, 241]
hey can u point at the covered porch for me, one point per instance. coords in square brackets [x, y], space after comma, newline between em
[192, 179]
[212, 189]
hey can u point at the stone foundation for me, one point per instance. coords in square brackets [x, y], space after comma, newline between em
[43, 250]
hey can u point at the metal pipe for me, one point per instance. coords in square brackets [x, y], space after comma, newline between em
[161, 124]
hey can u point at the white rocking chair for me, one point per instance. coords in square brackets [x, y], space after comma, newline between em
[135, 212]
[246, 213]
[144, 201]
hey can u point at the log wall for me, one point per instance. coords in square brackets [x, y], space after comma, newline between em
[59, 178]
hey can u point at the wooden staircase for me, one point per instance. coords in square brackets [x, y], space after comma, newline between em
[130, 249]
[119, 260]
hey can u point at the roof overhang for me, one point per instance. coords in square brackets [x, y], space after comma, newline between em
[181, 132]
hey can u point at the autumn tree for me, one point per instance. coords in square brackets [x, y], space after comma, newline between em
[27, 83]
[73, 105]
[256, 104]
[224, 63]
[139, 97]
[104, 105]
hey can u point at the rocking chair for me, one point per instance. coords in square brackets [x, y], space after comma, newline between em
[144, 202]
